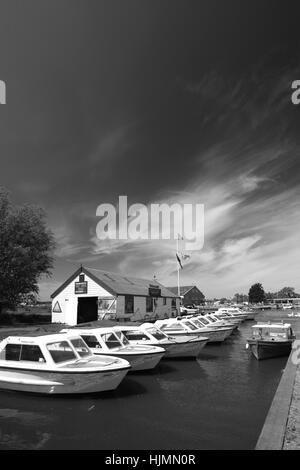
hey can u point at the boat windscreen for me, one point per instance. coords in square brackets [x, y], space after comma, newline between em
[190, 325]
[81, 347]
[91, 341]
[204, 321]
[211, 318]
[111, 340]
[122, 338]
[173, 326]
[61, 351]
[135, 335]
[198, 323]
[158, 334]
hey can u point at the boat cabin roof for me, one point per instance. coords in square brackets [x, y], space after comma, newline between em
[286, 326]
[90, 330]
[41, 338]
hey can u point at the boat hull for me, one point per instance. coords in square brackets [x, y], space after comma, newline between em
[53, 383]
[178, 349]
[138, 362]
[268, 349]
[214, 336]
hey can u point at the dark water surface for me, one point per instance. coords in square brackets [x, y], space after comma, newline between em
[219, 401]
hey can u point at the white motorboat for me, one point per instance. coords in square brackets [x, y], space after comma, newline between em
[175, 346]
[287, 306]
[234, 312]
[56, 364]
[294, 315]
[189, 309]
[112, 342]
[178, 327]
[216, 334]
[227, 321]
[211, 322]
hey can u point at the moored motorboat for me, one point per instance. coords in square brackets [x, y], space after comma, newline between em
[271, 340]
[227, 321]
[214, 321]
[56, 364]
[112, 342]
[287, 306]
[224, 331]
[233, 312]
[175, 346]
[177, 327]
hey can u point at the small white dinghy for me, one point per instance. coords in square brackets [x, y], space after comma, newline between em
[56, 364]
[176, 347]
[112, 342]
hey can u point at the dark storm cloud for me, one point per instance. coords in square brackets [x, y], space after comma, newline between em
[153, 100]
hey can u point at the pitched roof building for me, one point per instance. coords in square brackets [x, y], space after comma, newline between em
[189, 294]
[88, 296]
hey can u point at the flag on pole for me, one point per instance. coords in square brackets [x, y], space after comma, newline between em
[179, 261]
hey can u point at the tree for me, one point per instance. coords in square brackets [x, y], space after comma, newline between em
[270, 295]
[286, 292]
[240, 298]
[26, 247]
[256, 293]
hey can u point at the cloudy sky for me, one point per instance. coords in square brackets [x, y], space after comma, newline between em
[162, 101]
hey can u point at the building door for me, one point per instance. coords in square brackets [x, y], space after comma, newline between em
[87, 309]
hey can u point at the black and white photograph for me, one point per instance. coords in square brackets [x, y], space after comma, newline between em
[149, 233]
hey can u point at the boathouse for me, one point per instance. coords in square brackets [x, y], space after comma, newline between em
[189, 295]
[88, 296]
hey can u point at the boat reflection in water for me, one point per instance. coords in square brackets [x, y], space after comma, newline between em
[271, 340]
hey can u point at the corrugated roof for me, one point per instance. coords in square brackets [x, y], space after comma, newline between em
[117, 284]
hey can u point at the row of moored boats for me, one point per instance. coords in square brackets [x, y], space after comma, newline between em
[89, 358]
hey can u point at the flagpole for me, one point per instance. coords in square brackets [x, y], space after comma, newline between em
[178, 276]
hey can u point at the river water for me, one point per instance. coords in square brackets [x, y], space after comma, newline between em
[218, 401]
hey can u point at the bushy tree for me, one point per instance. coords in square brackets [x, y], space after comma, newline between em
[26, 246]
[287, 292]
[256, 293]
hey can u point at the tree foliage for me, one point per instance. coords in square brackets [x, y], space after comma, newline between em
[240, 298]
[287, 292]
[25, 248]
[256, 293]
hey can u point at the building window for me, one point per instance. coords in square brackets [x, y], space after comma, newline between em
[149, 304]
[164, 300]
[129, 304]
[173, 302]
[81, 277]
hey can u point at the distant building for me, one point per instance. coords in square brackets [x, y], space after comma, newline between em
[189, 295]
[285, 300]
[85, 297]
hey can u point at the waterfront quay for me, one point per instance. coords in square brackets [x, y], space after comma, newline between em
[281, 430]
